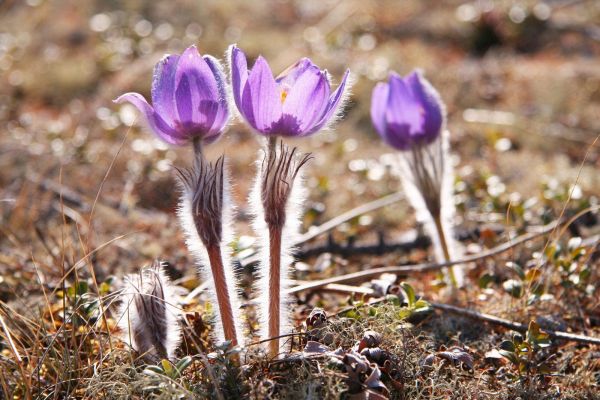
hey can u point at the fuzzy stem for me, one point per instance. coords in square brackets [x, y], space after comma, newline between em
[274, 288]
[197, 147]
[271, 147]
[437, 219]
[218, 273]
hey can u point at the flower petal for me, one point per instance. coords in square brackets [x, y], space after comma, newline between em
[261, 101]
[291, 74]
[307, 99]
[431, 105]
[333, 107]
[156, 123]
[404, 112]
[222, 115]
[195, 87]
[163, 88]
[379, 101]
[239, 73]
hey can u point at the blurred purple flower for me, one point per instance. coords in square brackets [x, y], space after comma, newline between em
[298, 102]
[189, 98]
[407, 111]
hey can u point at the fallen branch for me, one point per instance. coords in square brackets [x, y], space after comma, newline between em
[426, 267]
[350, 248]
[515, 326]
[335, 222]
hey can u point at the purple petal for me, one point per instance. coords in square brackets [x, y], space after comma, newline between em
[163, 88]
[157, 124]
[379, 101]
[431, 105]
[195, 91]
[261, 100]
[291, 74]
[307, 99]
[404, 113]
[239, 74]
[335, 101]
[222, 115]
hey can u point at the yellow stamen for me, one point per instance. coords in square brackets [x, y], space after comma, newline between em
[284, 94]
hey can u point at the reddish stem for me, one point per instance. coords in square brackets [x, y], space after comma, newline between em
[218, 273]
[274, 288]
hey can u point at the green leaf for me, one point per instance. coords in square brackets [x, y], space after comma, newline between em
[485, 280]
[353, 314]
[183, 363]
[507, 345]
[509, 355]
[517, 268]
[167, 367]
[404, 313]
[153, 370]
[395, 300]
[410, 293]
[513, 287]
[517, 338]
[422, 304]
[585, 274]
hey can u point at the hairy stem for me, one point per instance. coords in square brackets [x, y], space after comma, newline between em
[221, 285]
[271, 147]
[437, 219]
[274, 288]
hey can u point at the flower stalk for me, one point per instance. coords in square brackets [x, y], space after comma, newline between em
[410, 116]
[277, 221]
[204, 215]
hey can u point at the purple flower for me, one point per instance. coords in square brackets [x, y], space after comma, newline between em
[407, 111]
[298, 102]
[189, 98]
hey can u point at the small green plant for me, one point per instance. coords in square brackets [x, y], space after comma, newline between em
[413, 309]
[527, 279]
[167, 368]
[82, 305]
[524, 354]
[570, 263]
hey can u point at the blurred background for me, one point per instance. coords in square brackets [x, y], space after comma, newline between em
[521, 80]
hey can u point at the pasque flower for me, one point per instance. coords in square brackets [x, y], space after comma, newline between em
[410, 116]
[189, 98]
[298, 102]
[190, 106]
[407, 111]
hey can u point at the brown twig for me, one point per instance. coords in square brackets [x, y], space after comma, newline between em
[492, 319]
[426, 267]
[515, 326]
[337, 221]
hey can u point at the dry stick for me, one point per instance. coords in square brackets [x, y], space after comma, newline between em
[426, 267]
[516, 326]
[337, 221]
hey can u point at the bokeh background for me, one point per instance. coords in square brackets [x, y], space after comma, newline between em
[521, 80]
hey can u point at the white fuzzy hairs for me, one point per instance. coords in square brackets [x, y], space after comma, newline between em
[290, 233]
[200, 253]
[148, 316]
[433, 159]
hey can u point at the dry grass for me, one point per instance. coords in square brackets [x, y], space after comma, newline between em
[69, 230]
